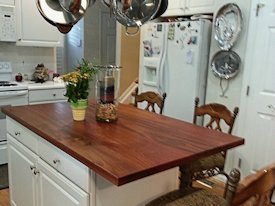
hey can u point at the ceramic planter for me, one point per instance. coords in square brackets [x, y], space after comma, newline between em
[79, 109]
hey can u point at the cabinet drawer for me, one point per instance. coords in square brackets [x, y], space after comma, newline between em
[50, 95]
[65, 164]
[22, 134]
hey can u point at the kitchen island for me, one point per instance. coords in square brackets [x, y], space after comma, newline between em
[128, 162]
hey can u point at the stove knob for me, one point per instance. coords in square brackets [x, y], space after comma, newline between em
[6, 66]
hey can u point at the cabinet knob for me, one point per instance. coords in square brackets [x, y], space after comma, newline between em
[54, 95]
[270, 106]
[32, 167]
[56, 161]
[17, 133]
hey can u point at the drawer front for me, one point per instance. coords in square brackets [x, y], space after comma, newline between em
[22, 134]
[47, 95]
[65, 164]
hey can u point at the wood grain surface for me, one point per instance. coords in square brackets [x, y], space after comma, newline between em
[139, 144]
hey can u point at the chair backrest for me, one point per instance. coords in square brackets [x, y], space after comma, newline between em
[256, 189]
[152, 99]
[216, 112]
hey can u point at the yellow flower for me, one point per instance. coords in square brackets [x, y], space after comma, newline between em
[77, 82]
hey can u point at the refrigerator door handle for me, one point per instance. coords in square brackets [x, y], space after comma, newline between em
[160, 81]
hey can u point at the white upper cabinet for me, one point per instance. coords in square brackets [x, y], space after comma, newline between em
[175, 8]
[199, 6]
[32, 29]
[189, 7]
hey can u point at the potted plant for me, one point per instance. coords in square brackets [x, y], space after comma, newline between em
[77, 87]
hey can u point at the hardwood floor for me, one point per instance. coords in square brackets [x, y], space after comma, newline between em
[4, 197]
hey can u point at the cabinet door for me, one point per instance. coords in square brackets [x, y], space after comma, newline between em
[175, 8]
[56, 190]
[199, 6]
[32, 29]
[22, 181]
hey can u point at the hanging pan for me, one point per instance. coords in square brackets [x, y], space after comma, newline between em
[134, 13]
[63, 13]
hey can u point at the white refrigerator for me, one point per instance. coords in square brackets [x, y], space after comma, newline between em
[174, 59]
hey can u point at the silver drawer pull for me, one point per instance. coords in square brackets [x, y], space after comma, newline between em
[35, 172]
[17, 133]
[56, 161]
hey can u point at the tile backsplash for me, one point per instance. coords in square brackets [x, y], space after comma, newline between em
[24, 59]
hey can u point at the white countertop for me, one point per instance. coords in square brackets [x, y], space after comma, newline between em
[46, 85]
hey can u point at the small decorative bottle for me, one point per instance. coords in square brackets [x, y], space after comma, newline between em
[107, 88]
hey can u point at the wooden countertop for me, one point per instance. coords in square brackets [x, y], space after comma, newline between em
[139, 144]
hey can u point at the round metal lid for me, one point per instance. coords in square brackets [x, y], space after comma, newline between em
[225, 64]
[228, 25]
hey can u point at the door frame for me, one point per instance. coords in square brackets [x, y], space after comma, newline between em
[243, 152]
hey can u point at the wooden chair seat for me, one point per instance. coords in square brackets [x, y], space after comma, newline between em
[253, 190]
[207, 166]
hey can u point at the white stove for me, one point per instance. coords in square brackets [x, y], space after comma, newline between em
[11, 93]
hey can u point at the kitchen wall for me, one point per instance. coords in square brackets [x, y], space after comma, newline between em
[213, 83]
[25, 59]
[129, 59]
[233, 94]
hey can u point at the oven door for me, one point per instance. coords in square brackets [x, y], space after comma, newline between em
[13, 98]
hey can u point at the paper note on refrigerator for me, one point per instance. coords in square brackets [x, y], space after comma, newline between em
[189, 57]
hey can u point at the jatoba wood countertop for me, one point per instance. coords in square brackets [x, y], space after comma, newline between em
[139, 144]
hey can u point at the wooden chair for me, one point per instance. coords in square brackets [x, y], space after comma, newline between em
[214, 164]
[254, 190]
[152, 99]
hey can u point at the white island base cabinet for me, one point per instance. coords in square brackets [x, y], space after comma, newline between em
[137, 193]
[56, 190]
[40, 174]
[34, 183]
[22, 181]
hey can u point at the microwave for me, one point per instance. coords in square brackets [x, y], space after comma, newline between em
[7, 23]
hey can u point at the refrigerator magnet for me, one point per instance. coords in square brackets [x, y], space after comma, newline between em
[171, 32]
